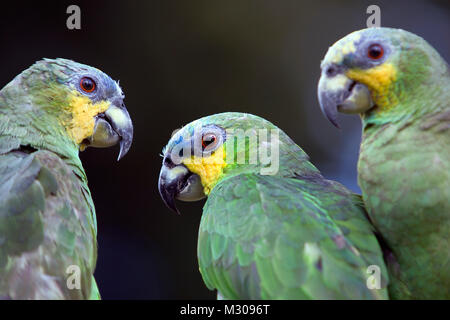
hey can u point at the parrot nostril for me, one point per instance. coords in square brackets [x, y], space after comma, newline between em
[351, 86]
[168, 162]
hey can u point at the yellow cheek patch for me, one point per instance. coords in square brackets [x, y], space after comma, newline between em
[209, 169]
[379, 80]
[82, 111]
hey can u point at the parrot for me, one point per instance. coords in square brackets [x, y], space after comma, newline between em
[272, 227]
[400, 86]
[48, 228]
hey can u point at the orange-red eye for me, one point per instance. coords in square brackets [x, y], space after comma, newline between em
[209, 141]
[87, 84]
[375, 52]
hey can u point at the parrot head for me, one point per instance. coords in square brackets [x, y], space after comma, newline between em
[78, 102]
[379, 73]
[214, 148]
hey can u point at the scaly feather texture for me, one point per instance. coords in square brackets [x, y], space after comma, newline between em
[271, 237]
[404, 163]
[47, 225]
[47, 216]
[289, 235]
[404, 172]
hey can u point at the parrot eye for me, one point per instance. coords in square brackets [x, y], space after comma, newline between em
[209, 141]
[375, 52]
[87, 84]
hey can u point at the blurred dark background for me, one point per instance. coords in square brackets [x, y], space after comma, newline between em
[181, 60]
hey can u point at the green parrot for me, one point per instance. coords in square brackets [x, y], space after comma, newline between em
[48, 229]
[272, 227]
[400, 86]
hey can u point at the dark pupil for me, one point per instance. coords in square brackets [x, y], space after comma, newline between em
[88, 84]
[375, 52]
[208, 140]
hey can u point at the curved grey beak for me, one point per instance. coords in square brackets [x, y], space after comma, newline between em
[112, 126]
[177, 182]
[338, 93]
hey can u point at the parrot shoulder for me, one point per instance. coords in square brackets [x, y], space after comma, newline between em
[268, 237]
[46, 227]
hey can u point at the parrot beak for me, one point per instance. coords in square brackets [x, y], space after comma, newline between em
[111, 127]
[338, 93]
[177, 182]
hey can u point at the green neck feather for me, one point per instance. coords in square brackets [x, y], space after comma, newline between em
[30, 111]
[285, 160]
[422, 87]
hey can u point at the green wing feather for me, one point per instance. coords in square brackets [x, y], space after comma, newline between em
[268, 237]
[404, 173]
[46, 225]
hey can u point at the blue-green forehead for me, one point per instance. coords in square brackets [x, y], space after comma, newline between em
[222, 121]
[68, 71]
[182, 135]
[109, 86]
[351, 45]
[195, 128]
[342, 48]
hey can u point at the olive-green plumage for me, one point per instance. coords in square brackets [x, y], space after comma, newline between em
[47, 222]
[288, 235]
[47, 216]
[404, 163]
